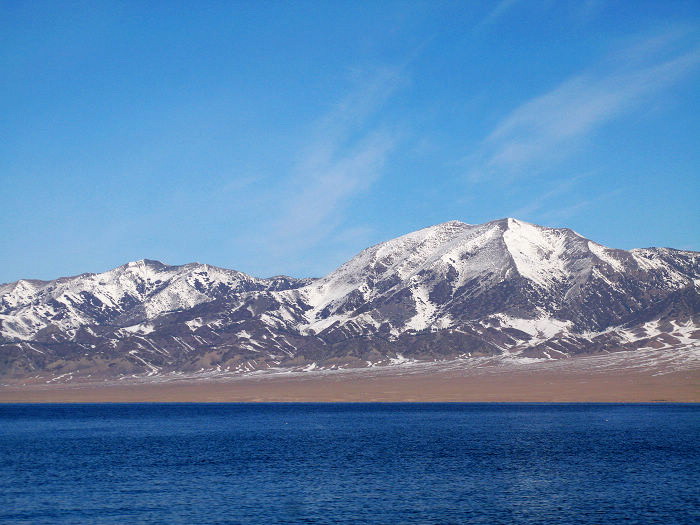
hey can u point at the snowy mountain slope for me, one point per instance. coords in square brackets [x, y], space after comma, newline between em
[455, 272]
[449, 290]
[135, 292]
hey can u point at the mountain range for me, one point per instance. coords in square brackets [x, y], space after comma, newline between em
[450, 291]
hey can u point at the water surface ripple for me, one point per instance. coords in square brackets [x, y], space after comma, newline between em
[349, 463]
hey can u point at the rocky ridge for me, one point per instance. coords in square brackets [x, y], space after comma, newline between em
[449, 291]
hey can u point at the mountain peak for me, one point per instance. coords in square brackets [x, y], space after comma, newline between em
[504, 286]
[150, 263]
[505, 223]
[451, 224]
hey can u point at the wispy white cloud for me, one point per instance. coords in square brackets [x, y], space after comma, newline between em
[497, 12]
[535, 205]
[573, 209]
[549, 127]
[346, 153]
[326, 185]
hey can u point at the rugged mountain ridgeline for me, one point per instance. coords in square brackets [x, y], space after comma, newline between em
[451, 290]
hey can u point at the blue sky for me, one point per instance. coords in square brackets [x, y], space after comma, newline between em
[283, 137]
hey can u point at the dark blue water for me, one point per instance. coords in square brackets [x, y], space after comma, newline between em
[435, 463]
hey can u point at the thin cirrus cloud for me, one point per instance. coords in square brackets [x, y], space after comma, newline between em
[549, 127]
[346, 153]
[534, 206]
[497, 12]
[565, 212]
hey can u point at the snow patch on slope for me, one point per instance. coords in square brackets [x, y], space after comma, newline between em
[541, 328]
[425, 310]
[606, 255]
[538, 252]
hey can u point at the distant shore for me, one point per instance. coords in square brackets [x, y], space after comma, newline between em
[534, 383]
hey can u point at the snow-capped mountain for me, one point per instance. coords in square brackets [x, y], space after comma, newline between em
[136, 291]
[450, 290]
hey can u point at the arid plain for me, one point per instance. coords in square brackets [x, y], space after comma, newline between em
[618, 377]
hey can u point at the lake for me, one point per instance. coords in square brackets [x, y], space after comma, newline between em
[349, 463]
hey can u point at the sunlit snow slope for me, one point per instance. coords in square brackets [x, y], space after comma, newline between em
[451, 290]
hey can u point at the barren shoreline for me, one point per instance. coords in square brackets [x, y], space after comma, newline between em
[596, 379]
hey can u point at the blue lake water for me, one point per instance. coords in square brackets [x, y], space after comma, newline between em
[338, 463]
